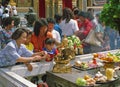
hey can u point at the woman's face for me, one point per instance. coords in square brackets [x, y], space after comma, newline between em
[11, 25]
[43, 30]
[22, 38]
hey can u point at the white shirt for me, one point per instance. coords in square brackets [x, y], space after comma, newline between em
[69, 28]
[5, 15]
[56, 35]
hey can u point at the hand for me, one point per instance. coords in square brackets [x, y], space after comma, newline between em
[37, 58]
[29, 66]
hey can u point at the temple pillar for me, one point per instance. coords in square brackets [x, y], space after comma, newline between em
[89, 3]
[42, 8]
[82, 4]
[56, 6]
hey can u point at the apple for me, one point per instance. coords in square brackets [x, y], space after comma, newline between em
[81, 82]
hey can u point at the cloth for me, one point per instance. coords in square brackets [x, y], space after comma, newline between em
[57, 28]
[69, 28]
[5, 37]
[56, 36]
[84, 28]
[11, 53]
[30, 46]
[38, 42]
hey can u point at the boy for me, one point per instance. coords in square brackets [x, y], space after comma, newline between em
[50, 49]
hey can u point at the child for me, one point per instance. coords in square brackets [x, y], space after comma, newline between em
[50, 49]
[28, 44]
[30, 47]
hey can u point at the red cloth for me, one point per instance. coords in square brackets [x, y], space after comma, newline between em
[67, 3]
[38, 42]
[42, 85]
[85, 26]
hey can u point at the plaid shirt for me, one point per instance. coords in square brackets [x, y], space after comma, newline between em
[5, 37]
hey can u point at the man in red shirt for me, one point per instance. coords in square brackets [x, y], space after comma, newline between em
[84, 28]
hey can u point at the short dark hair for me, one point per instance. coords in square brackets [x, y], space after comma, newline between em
[57, 17]
[17, 34]
[51, 20]
[7, 21]
[29, 31]
[76, 11]
[83, 14]
[38, 24]
[50, 41]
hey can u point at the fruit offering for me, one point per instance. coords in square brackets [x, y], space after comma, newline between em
[86, 81]
[99, 77]
[108, 57]
[81, 82]
[72, 40]
[81, 64]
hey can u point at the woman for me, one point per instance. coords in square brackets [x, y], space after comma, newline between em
[68, 25]
[15, 51]
[40, 34]
[5, 33]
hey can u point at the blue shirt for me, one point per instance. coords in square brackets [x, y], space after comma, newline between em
[11, 53]
[57, 28]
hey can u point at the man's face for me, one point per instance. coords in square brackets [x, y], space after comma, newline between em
[50, 26]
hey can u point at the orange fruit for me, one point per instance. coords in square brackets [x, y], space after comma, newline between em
[86, 77]
[95, 55]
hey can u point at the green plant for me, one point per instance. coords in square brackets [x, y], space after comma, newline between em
[110, 14]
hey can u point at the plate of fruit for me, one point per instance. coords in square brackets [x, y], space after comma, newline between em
[86, 65]
[102, 79]
[87, 81]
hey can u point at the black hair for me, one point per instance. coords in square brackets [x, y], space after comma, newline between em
[57, 17]
[89, 16]
[17, 34]
[50, 41]
[7, 21]
[76, 11]
[83, 14]
[67, 14]
[38, 24]
[6, 11]
[29, 32]
[51, 20]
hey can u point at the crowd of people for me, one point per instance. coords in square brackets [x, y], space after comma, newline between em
[25, 45]
[71, 22]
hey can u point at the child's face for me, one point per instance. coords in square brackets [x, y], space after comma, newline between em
[28, 39]
[49, 46]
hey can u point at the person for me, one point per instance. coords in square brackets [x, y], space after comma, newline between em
[84, 29]
[58, 19]
[28, 43]
[40, 33]
[5, 32]
[14, 11]
[50, 49]
[5, 14]
[15, 51]
[56, 35]
[68, 24]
